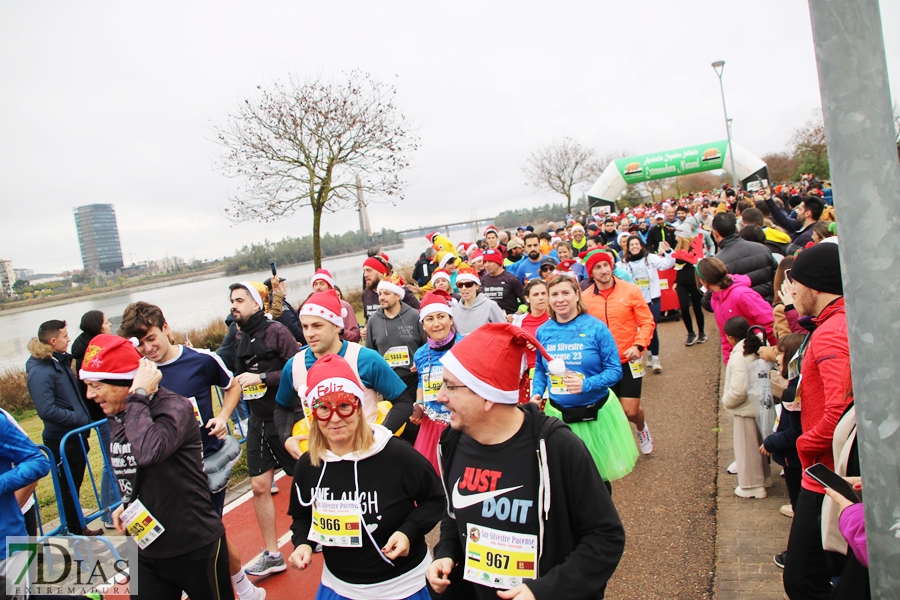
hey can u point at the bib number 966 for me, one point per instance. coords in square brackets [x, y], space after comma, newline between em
[330, 524]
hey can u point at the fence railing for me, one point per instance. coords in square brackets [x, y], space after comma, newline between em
[103, 509]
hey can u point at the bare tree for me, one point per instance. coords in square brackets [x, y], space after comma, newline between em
[560, 166]
[809, 148]
[782, 166]
[303, 144]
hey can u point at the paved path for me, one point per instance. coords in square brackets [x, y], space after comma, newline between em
[750, 532]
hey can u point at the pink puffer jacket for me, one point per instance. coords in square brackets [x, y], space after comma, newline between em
[739, 300]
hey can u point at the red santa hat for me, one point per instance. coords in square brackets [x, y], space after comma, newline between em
[377, 262]
[493, 255]
[489, 229]
[322, 275]
[475, 256]
[439, 274]
[596, 257]
[394, 284]
[565, 267]
[110, 358]
[467, 274]
[501, 375]
[325, 305]
[462, 247]
[434, 301]
[329, 375]
[430, 236]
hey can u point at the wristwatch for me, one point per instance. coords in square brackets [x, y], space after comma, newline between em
[639, 347]
[140, 392]
[262, 377]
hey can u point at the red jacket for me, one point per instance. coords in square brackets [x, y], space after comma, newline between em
[823, 389]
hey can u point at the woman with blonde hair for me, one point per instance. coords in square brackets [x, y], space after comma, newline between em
[366, 496]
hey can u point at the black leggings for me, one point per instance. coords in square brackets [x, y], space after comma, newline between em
[689, 295]
[203, 574]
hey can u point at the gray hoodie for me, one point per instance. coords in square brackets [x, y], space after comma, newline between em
[483, 310]
[396, 339]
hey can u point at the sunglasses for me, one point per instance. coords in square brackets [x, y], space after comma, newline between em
[465, 284]
[546, 269]
[342, 403]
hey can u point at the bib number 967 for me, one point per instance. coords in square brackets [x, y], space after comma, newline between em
[497, 560]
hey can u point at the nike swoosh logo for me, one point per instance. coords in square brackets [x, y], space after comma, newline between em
[460, 501]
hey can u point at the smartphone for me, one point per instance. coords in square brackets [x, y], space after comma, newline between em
[830, 479]
[274, 269]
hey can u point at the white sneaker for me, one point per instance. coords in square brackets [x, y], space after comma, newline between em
[260, 593]
[732, 468]
[769, 482]
[645, 440]
[274, 489]
[654, 364]
[787, 510]
[754, 492]
[244, 425]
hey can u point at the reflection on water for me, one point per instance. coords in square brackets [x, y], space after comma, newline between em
[188, 305]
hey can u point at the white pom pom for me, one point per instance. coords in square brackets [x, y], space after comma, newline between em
[343, 312]
[134, 341]
[557, 367]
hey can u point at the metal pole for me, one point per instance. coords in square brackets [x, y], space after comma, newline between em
[719, 67]
[862, 153]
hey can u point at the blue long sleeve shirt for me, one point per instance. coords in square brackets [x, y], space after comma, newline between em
[21, 463]
[588, 348]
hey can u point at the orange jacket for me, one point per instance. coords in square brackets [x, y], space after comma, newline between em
[625, 313]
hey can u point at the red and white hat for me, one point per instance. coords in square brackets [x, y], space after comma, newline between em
[595, 257]
[325, 305]
[434, 301]
[331, 374]
[394, 283]
[462, 247]
[439, 274]
[475, 256]
[110, 357]
[467, 274]
[322, 275]
[565, 267]
[493, 255]
[501, 375]
[489, 229]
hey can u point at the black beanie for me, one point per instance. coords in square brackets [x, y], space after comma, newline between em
[819, 268]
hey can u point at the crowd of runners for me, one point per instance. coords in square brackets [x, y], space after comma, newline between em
[493, 393]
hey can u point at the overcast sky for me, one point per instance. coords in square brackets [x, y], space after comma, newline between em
[115, 102]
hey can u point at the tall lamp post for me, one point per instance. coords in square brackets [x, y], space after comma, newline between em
[719, 67]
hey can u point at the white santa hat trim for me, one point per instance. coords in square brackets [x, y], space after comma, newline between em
[446, 259]
[478, 386]
[384, 284]
[439, 275]
[97, 376]
[331, 385]
[315, 310]
[253, 293]
[467, 277]
[434, 308]
[322, 277]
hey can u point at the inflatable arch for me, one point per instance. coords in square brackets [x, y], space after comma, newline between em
[674, 163]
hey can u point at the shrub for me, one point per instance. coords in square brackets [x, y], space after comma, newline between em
[14, 396]
[209, 336]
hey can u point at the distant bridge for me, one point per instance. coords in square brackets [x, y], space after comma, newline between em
[445, 227]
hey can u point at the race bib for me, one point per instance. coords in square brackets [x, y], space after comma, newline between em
[499, 559]
[196, 409]
[336, 523]
[558, 384]
[663, 284]
[141, 525]
[398, 356]
[255, 392]
[643, 282]
[431, 383]
[637, 368]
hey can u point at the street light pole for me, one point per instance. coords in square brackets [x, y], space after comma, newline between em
[719, 67]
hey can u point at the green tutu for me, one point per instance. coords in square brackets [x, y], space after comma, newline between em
[609, 439]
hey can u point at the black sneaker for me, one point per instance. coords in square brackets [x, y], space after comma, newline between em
[692, 337]
[779, 559]
[701, 339]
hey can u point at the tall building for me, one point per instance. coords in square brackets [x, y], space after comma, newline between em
[98, 236]
[7, 278]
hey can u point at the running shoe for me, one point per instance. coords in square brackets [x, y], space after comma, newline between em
[787, 510]
[260, 593]
[274, 489]
[701, 339]
[692, 337]
[654, 364]
[754, 492]
[266, 565]
[779, 559]
[645, 440]
[732, 468]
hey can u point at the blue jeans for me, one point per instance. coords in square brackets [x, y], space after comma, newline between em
[107, 494]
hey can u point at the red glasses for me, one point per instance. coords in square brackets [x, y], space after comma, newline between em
[342, 403]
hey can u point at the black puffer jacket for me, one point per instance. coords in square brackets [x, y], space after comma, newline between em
[750, 259]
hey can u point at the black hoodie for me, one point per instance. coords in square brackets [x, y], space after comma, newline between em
[583, 538]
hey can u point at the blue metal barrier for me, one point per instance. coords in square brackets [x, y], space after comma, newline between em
[104, 452]
[221, 398]
[56, 494]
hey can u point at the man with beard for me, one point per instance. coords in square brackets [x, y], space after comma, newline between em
[660, 232]
[262, 348]
[530, 266]
[515, 250]
[801, 228]
[376, 268]
[500, 285]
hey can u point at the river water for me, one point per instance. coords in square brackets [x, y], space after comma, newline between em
[188, 305]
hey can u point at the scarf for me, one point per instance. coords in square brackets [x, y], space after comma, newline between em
[444, 344]
[250, 349]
